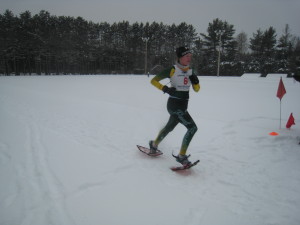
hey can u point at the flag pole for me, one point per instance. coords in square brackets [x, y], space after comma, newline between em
[280, 116]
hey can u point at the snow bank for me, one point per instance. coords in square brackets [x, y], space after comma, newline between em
[276, 75]
[251, 75]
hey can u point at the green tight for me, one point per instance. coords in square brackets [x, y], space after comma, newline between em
[177, 109]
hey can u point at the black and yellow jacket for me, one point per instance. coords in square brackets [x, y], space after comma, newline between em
[179, 78]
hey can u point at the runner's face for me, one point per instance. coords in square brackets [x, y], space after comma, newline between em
[186, 59]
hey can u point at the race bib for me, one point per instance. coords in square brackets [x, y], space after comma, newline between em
[180, 79]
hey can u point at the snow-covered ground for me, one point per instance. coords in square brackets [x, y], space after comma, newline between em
[68, 153]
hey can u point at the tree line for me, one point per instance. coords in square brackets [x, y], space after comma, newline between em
[48, 44]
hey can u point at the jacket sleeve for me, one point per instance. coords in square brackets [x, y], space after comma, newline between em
[155, 82]
[162, 75]
[196, 87]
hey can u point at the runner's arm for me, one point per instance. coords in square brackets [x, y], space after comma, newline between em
[162, 75]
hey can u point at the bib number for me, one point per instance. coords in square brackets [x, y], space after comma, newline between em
[185, 81]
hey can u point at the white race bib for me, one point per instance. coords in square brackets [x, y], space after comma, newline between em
[180, 79]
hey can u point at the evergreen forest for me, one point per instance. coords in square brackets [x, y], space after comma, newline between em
[53, 45]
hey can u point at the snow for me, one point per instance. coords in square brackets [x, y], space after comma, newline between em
[276, 75]
[269, 76]
[251, 75]
[68, 153]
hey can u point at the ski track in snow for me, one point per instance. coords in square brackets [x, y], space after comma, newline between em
[47, 187]
[78, 164]
[41, 193]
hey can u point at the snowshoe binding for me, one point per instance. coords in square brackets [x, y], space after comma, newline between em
[151, 151]
[153, 148]
[186, 164]
[183, 159]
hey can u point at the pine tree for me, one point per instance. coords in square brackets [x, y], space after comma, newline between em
[263, 48]
[219, 38]
[285, 48]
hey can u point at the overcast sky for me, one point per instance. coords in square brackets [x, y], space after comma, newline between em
[245, 15]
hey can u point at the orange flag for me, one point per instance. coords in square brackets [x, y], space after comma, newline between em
[290, 122]
[281, 89]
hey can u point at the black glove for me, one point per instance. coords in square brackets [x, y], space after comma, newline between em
[194, 79]
[168, 90]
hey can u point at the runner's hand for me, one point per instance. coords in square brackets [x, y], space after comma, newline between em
[168, 90]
